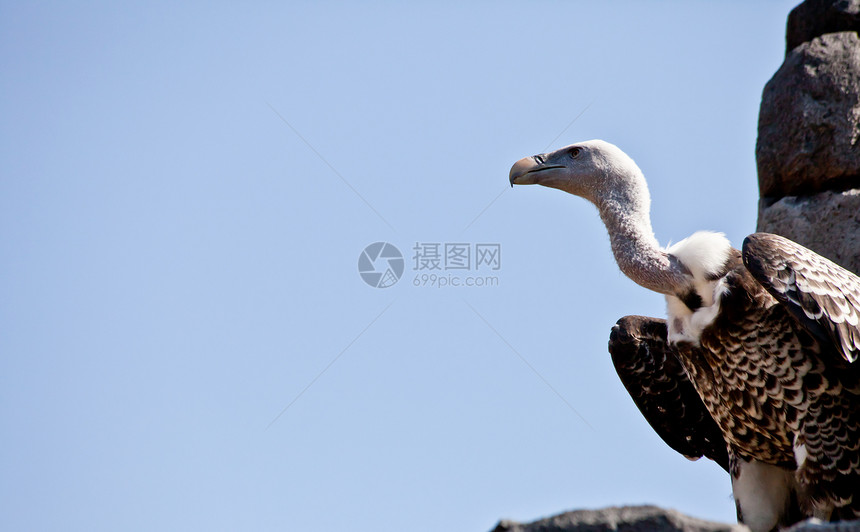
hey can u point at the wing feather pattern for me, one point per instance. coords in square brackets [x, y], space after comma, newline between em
[658, 384]
[823, 296]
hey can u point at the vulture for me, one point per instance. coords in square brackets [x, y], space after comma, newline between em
[754, 366]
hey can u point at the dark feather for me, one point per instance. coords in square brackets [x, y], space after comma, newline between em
[661, 389]
[823, 296]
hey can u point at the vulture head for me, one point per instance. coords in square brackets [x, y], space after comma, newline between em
[593, 170]
[604, 175]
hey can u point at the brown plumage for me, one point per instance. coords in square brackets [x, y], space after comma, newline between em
[651, 372]
[755, 366]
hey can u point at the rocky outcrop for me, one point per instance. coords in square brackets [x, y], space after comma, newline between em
[815, 526]
[623, 519]
[809, 121]
[828, 222]
[648, 519]
[814, 18]
[808, 147]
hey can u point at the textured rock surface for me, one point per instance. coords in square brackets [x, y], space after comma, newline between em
[623, 519]
[828, 223]
[814, 18]
[812, 526]
[648, 519]
[809, 121]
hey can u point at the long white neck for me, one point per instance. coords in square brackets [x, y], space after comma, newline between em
[625, 213]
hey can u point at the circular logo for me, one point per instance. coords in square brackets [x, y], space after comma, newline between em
[380, 265]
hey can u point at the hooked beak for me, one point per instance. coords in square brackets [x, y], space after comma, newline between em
[526, 170]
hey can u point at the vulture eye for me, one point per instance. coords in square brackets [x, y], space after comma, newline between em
[574, 152]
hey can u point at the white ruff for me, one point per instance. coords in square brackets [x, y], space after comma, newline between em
[704, 254]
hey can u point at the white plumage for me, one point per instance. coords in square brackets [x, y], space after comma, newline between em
[704, 254]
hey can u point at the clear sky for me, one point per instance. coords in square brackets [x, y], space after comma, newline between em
[186, 189]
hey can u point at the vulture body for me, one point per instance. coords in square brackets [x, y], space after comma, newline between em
[754, 367]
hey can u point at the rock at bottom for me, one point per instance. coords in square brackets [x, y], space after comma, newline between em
[622, 519]
[648, 519]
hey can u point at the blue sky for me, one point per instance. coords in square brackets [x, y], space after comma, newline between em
[185, 191]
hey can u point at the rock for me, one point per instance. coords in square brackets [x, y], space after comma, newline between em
[623, 519]
[649, 519]
[814, 18]
[811, 525]
[828, 223]
[809, 121]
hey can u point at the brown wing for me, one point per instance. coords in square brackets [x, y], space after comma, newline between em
[658, 384]
[823, 296]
